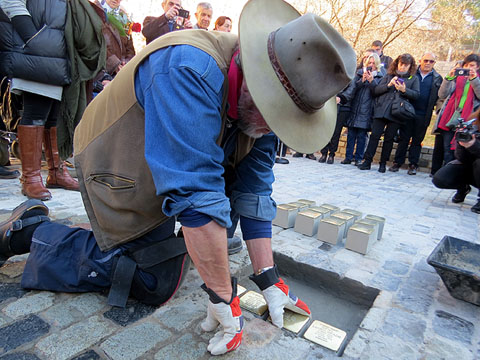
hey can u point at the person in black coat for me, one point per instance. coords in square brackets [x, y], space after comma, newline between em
[400, 78]
[360, 119]
[415, 129]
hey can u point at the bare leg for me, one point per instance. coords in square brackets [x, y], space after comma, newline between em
[260, 252]
[207, 246]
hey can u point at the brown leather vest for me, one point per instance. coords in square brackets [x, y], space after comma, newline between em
[115, 181]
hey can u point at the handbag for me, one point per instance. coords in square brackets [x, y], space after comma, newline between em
[401, 108]
[453, 121]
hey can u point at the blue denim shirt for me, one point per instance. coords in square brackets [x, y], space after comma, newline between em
[181, 88]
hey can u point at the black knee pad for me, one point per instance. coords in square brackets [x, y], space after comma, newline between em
[168, 275]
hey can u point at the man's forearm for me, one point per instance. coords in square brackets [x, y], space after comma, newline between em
[207, 246]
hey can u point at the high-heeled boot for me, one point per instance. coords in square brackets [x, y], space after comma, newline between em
[30, 139]
[58, 175]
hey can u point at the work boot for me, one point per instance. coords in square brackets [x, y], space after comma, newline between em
[412, 170]
[460, 195]
[28, 213]
[8, 174]
[323, 158]
[476, 208]
[366, 165]
[283, 161]
[234, 245]
[30, 137]
[58, 175]
[382, 168]
[395, 167]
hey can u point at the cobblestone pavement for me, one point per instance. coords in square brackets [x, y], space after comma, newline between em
[413, 316]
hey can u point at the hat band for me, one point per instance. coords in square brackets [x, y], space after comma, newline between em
[302, 105]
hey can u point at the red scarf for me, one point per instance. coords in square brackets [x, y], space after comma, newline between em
[235, 79]
[455, 101]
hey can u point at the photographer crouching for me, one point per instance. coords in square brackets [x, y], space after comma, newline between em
[465, 169]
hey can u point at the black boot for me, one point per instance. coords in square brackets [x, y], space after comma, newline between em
[30, 212]
[366, 165]
[234, 245]
[323, 158]
[382, 168]
[8, 174]
[476, 208]
[461, 193]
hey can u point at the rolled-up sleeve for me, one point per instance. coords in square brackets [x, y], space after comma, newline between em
[180, 89]
[252, 190]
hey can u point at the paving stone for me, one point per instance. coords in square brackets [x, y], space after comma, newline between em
[405, 248]
[89, 355]
[436, 349]
[8, 291]
[453, 327]
[29, 305]
[414, 299]
[13, 270]
[74, 339]
[126, 345]
[396, 267]
[384, 347]
[424, 266]
[22, 332]
[181, 316]
[386, 282]
[421, 228]
[19, 356]
[75, 309]
[185, 347]
[404, 325]
[133, 312]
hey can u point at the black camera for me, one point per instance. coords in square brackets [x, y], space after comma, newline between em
[465, 130]
[462, 72]
[183, 13]
[369, 68]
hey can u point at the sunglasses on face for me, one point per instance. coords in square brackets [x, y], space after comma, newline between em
[428, 61]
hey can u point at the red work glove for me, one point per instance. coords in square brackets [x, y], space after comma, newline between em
[278, 296]
[229, 316]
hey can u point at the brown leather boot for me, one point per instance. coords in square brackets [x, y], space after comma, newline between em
[58, 175]
[30, 138]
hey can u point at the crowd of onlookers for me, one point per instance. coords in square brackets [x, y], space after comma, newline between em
[369, 108]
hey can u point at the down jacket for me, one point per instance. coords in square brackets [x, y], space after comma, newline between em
[385, 95]
[362, 103]
[44, 57]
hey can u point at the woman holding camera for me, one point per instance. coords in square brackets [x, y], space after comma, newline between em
[400, 78]
[461, 91]
[465, 169]
[360, 120]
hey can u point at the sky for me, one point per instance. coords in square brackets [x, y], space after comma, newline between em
[141, 8]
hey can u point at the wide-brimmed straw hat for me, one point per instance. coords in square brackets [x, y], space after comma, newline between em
[294, 66]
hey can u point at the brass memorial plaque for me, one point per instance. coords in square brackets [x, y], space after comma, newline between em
[253, 302]
[240, 290]
[310, 214]
[292, 321]
[325, 335]
[307, 202]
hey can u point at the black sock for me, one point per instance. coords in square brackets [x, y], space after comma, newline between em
[21, 240]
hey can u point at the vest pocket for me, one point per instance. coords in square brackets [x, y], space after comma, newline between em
[113, 182]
